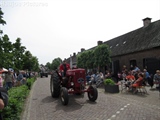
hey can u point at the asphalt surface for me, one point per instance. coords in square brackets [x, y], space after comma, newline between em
[120, 106]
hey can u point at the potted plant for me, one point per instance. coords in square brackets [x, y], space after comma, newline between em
[110, 86]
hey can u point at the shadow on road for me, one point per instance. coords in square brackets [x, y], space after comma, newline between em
[49, 99]
[76, 102]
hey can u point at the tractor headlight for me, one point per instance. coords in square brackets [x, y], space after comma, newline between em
[72, 83]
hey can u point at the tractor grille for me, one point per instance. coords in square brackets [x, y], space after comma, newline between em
[80, 80]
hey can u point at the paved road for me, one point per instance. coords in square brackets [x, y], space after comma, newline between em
[122, 106]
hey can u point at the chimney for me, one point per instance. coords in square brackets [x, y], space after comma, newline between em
[82, 49]
[74, 54]
[99, 42]
[146, 21]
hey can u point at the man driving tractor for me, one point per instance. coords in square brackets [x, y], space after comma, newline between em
[64, 67]
[65, 81]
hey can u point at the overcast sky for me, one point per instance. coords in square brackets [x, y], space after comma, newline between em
[58, 28]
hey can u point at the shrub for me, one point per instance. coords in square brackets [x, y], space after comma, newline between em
[17, 97]
[30, 82]
[109, 82]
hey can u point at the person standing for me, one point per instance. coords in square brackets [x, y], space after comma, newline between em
[20, 78]
[9, 80]
[146, 76]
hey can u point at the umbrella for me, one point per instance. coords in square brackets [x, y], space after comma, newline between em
[3, 70]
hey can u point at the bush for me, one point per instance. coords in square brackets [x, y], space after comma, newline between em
[17, 97]
[30, 82]
[109, 82]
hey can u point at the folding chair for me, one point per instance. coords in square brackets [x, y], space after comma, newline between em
[158, 83]
[123, 86]
[141, 88]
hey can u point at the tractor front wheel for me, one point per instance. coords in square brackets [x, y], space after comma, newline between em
[64, 96]
[92, 94]
[55, 85]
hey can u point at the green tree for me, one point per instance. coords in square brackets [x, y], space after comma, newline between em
[14, 54]
[34, 63]
[90, 59]
[55, 63]
[97, 58]
[18, 54]
[48, 65]
[6, 52]
[81, 60]
[2, 22]
[102, 56]
[86, 60]
[1, 17]
[30, 62]
[27, 65]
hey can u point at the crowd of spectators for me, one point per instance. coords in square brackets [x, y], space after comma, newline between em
[8, 79]
[147, 78]
[11, 78]
[134, 75]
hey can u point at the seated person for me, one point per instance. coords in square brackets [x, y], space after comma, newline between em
[139, 81]
[130, 78]
[108, 75]
[64, 67]
[156, 79]
[93, 78]
[119, 76]
[101, 76]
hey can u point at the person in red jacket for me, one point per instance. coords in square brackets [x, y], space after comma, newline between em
[64, 67]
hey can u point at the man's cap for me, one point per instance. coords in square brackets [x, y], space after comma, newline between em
[11, 70]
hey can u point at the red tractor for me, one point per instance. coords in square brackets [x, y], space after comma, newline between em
[73, 83]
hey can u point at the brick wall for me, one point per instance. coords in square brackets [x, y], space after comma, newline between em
[138, 56]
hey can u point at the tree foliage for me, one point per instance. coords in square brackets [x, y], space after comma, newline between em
[81, 60]
[30, 62]
[102, 55]
[55, 64]
[1, 17]
[86, 59]
[99, 57]
[14, 55]
[6, 51]
[48, 65]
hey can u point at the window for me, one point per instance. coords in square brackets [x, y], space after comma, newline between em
[133, 63]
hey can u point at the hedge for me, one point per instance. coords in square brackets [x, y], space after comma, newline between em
[17, 97]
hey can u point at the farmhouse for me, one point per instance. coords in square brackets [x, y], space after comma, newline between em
[140, 47]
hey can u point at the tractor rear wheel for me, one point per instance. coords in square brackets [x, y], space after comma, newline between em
[55, 85]
[64, 96]
[92, 94]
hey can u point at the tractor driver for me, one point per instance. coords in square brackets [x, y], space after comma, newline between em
[64, 67]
